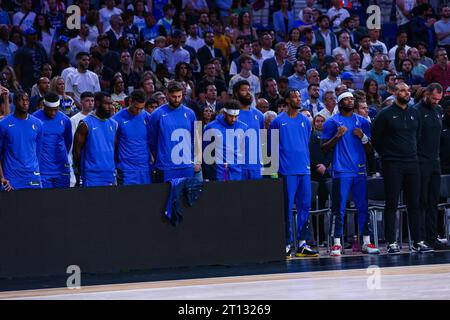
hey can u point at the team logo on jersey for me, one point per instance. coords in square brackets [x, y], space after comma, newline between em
[303, 124]
[110, 127]
[185, 115]
[62, 122]
[145, 122]
[256, 117]
[34, 127]
[412, 118]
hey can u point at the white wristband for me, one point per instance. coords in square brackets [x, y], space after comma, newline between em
[364, 139]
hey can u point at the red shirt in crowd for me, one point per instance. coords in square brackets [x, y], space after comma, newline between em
[436, 74]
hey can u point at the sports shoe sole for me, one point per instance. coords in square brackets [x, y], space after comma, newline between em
[366, 252]
[302, 255]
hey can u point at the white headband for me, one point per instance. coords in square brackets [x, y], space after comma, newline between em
[344, 95]
[51, 104]
[231, 112]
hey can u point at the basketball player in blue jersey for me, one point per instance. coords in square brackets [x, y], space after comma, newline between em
[228, 153]
[94, 142]
[57, 140]
[133, 142]
[172, 136]
[347, 135]
[20, 147]
[254, 119]
[294, 135]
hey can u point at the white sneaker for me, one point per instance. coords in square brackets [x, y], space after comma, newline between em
[370, 248]
[336, 250]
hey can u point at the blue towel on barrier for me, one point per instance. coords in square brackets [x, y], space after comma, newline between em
[191, 188]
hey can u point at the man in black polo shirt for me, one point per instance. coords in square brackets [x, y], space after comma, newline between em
[395, 133]
[430, 171]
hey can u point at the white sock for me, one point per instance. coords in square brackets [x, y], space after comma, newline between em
[301, 243]
[337, 241]
[366, 239]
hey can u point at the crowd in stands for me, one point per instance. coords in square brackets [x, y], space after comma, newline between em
[130, 55]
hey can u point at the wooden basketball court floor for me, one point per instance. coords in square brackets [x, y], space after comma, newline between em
[350, 277]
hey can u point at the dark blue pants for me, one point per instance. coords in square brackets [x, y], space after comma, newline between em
[248, 174]
[133, 177]
[297, 188]
[341, 189]
[62, 181]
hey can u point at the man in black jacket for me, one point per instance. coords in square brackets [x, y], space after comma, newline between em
[207, 52]
[395, 133]
[430, 172]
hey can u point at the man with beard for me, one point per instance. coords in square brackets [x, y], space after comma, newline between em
[347, 136]
[430, 172]
[246, 63]
[20, 147]
[294, 167]
[313, 104]
[333, 80]
[442, 28]
[254, 119]
[57, 141]
[207, 52]
[133, 149]
[93, 146]
[164, 121]
[395, 134]
[221, 167]
[298, 79]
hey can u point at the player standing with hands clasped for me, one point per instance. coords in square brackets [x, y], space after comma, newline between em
[347, 135]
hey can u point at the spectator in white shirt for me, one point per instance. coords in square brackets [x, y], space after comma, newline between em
[337, 14]
[106, 13]
[266, 43]
[25, 17]
[402, 38]
[193, 39]
[81, 80]
[333, 80]
[376, 44]
[345, 47]
[80, 43]
[331, 108]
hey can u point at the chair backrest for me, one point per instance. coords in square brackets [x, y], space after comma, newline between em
[375, 189]
[445, 186]
[314, 191]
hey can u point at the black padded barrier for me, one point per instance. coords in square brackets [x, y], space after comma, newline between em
[112, 229]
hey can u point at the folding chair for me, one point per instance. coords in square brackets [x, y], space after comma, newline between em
[445, 193]
[326, 212]
[376, 201]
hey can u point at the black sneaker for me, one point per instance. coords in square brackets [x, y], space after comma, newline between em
[288, 251]
[393, 248]
[440, 246]
[306, 251]
[421, 247]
